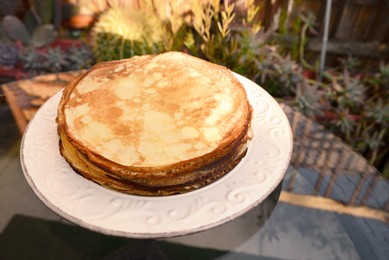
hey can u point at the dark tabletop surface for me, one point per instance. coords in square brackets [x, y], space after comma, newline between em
[331, 205]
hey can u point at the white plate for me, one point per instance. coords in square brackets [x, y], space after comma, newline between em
[94, 207]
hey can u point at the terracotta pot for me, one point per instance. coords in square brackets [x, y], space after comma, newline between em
[80, 21]
[309, 74]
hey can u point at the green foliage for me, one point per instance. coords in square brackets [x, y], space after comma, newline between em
[243, 47]
[121, 33]
[30, 21]
[43, 35]
[55, 59]
[211, 35]
[308, 98]
[360, 109]
[108, 46]
[45, 10]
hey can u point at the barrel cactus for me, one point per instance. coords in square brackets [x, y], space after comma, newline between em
[15, 29]
[122, 33]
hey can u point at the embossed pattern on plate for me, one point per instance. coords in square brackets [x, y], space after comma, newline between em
[94, 207]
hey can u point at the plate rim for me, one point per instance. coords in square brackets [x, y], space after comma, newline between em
[181, 232]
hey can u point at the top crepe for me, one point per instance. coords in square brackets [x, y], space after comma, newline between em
[156, 120]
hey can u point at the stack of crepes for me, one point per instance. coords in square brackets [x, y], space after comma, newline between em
[154, 125]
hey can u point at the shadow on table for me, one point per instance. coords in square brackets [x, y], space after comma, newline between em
[335, 170]
[8, 129]
[33, 238]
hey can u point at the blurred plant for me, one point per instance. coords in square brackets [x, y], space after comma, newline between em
[376, 118]
[211, 32]
[350, 104]
[9, 7]
[309, 22]
[350, 63]
[35, 30]
[80, 57]
[9, 54]
[380, 80]
[152, 27]
[56, 60]
[308, 99]
[242, 45]
[356, 109]
[121, 33]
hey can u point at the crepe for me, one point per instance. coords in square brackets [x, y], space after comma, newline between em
[154, 124]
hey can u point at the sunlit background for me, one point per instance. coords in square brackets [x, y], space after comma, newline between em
[327, 59]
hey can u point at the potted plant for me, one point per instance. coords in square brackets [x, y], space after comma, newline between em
[31, 45]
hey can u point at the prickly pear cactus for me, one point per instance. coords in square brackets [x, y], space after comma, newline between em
[38, 36]
[9, 54]
[15, 29]
[123, 33]
[4, 38]
[43, 35]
